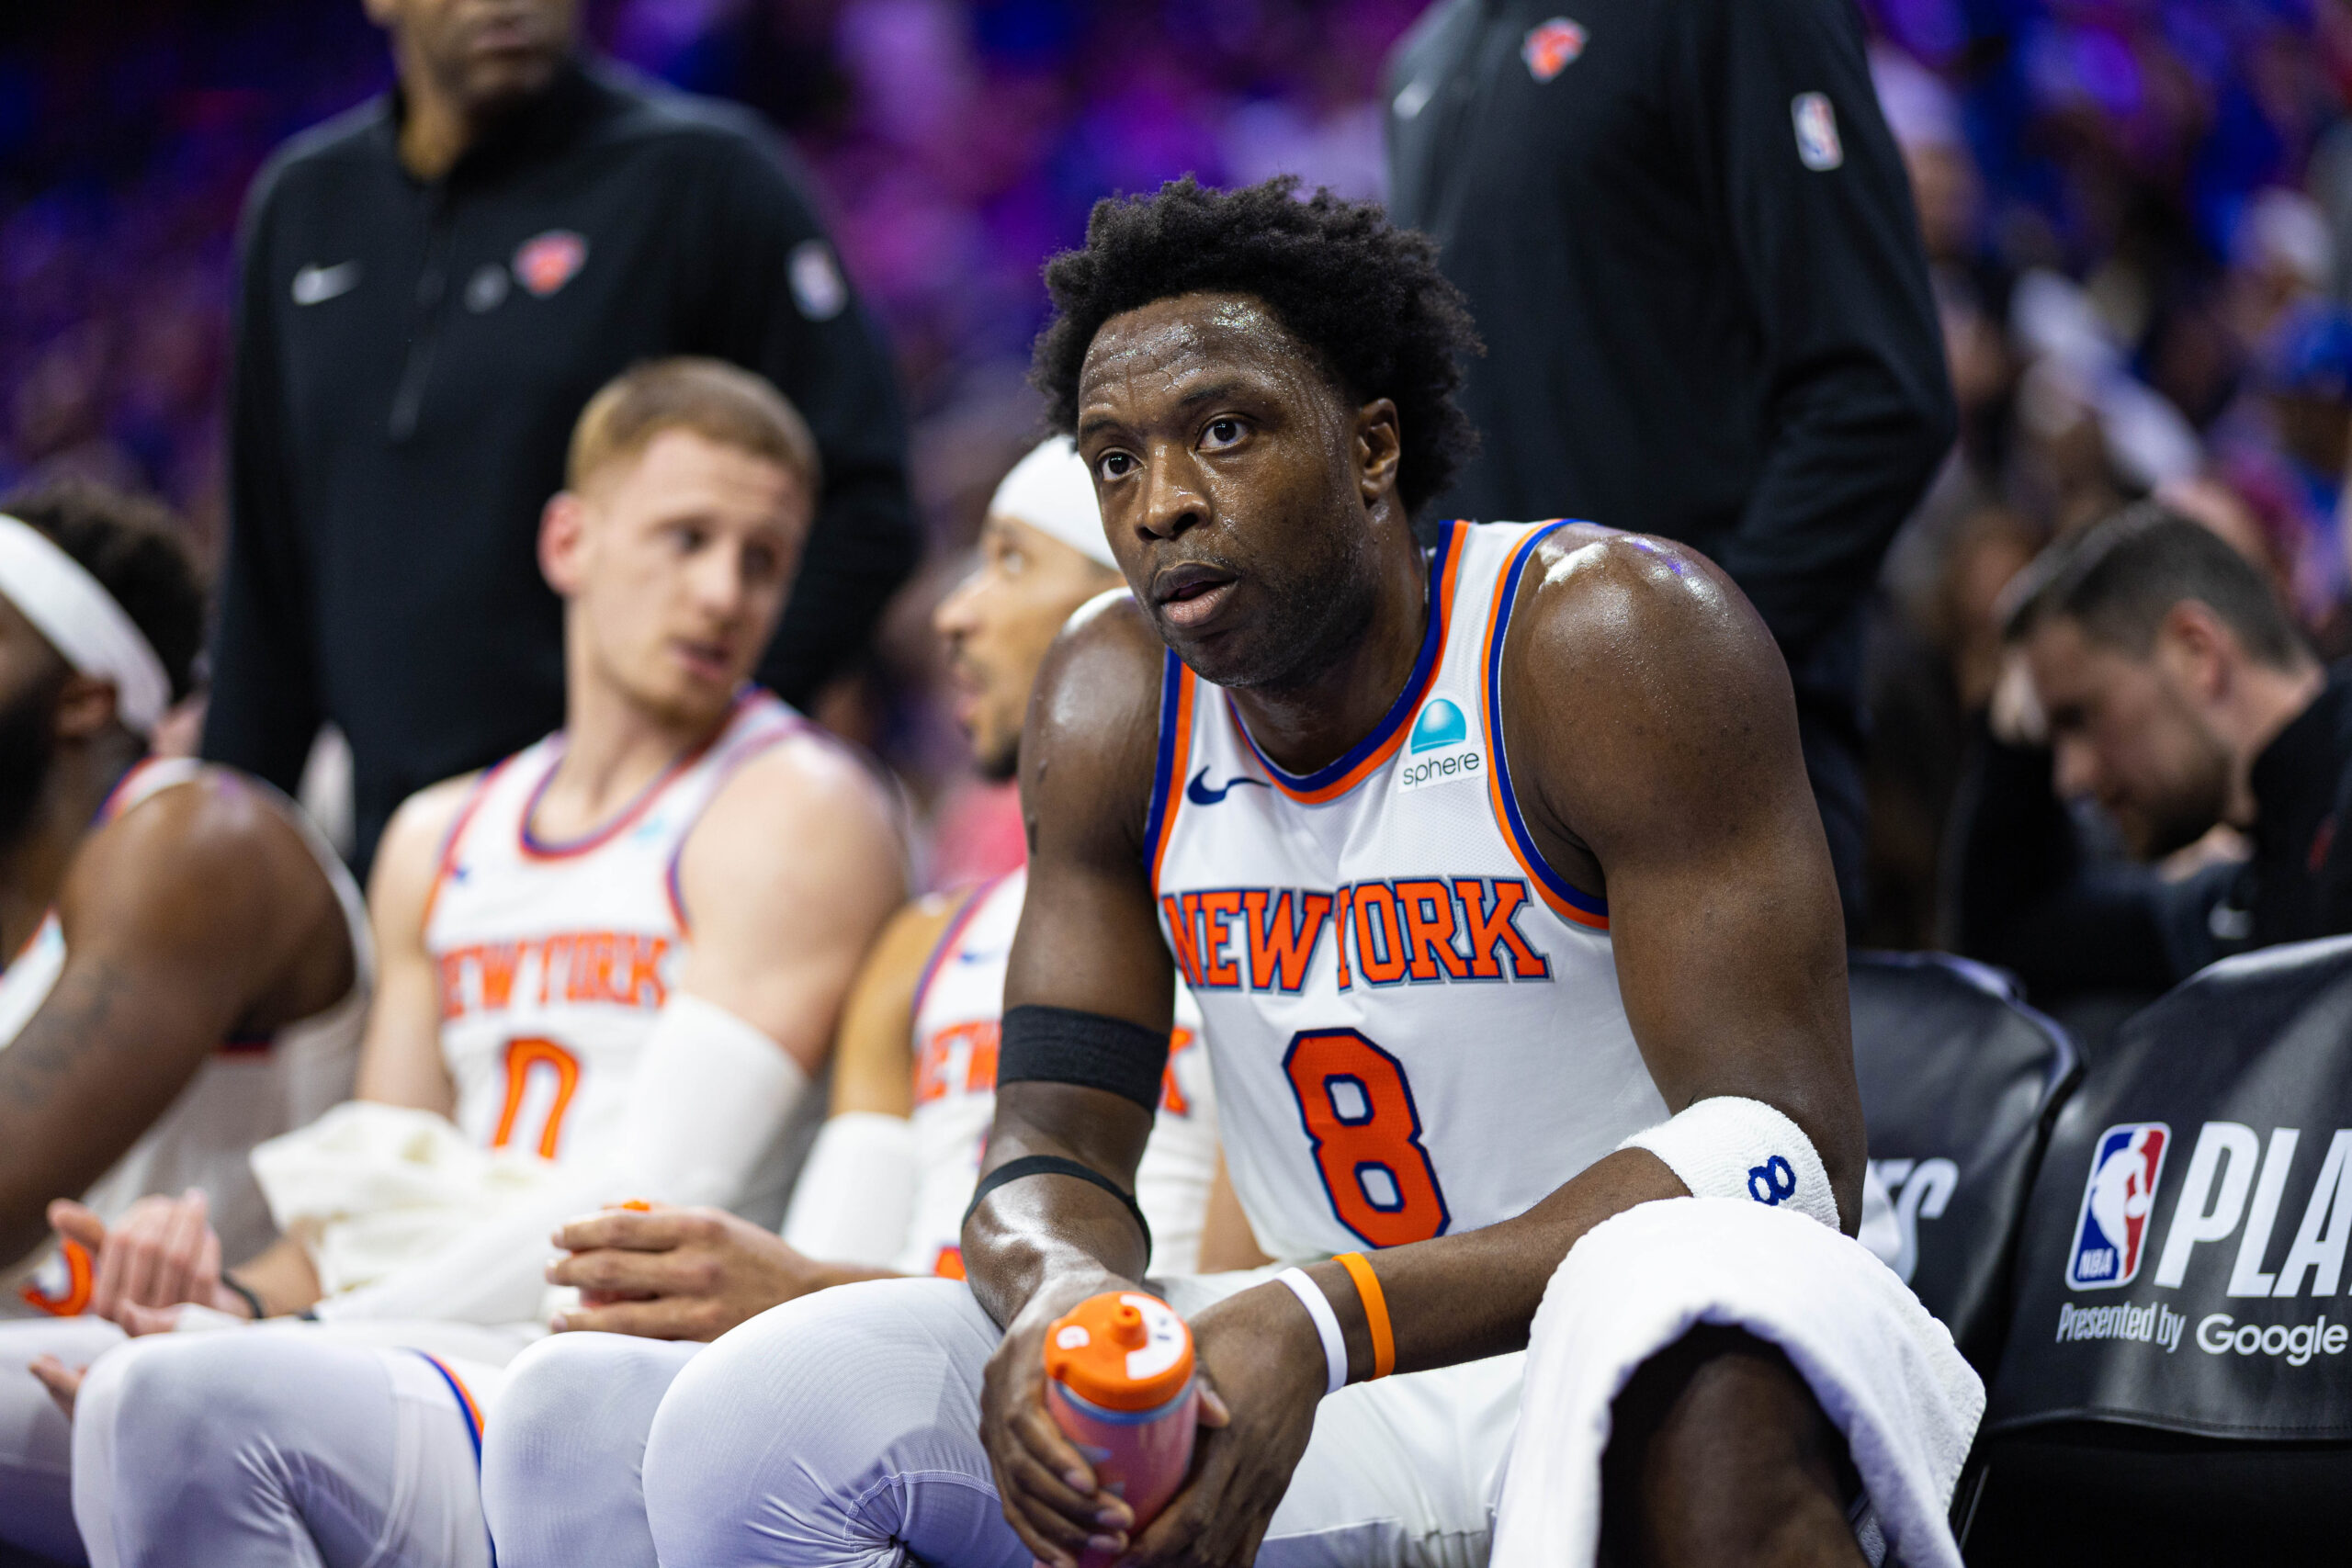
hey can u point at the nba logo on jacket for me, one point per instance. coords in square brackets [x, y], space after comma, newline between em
[2113, 1229]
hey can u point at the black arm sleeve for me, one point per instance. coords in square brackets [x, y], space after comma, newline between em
[264, 707]
[2026, 897]
[773, 314]
[1858, 399]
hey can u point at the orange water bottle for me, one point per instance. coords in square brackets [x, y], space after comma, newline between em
[1119, 1380]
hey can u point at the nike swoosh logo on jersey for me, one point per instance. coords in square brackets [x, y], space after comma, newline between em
[990, 956]
[1199, 794]
[315, 284]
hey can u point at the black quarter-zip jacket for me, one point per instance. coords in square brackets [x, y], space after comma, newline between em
[1688, 243]
[409, 360]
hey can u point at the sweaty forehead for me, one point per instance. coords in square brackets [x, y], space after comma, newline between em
[1169, 342]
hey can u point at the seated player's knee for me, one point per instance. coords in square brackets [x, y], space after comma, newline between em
[786, 1424]
[574, 1407]
[156, 1396]
[1719, 1454]
[561, 1464]
[569, 1400]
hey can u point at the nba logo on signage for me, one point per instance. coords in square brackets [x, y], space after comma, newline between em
[2113, 1229]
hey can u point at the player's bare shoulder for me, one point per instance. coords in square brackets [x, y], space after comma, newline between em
[1094, 728]
[217, 838]
[810, 780]
[1598, 604]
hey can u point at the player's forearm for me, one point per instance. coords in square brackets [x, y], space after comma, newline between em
[281, 1275]
[1047, 1243]
[1460, 1298]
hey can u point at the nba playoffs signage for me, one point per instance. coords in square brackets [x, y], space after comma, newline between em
[2183, 1264]
[1956, 1080]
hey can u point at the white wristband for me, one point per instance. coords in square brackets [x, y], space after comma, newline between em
[1733, 1147]
[1327, 1324]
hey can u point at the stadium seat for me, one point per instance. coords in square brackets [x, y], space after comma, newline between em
[1958, 1081]
[2177, 1386]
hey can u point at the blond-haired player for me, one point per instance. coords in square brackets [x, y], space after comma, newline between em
[610, 965]
[913, 1090]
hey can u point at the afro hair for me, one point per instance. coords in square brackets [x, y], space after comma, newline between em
[1364, 296]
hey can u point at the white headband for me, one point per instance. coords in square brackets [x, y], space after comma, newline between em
[81, 621]
[1051, 491]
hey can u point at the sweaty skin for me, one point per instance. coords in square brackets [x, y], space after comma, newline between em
[1252, 508]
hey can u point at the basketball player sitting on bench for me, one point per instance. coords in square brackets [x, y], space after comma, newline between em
[622, 949]
[914, 1083]
[1370, 802]
[187, 963]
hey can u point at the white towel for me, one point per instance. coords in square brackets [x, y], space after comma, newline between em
[372, 1189]
[1884, 1369]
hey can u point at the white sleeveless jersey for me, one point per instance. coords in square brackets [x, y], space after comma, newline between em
[1414, 1021]
[251, 1089]
[554, 959]
[959, 1008]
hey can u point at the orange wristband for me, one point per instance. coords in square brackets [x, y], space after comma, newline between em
[1375, 1310]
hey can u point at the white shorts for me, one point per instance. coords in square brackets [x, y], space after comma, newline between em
[844, 1428]
[286, 1443]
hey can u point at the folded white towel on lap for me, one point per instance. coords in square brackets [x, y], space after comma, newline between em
[1885, 1371]
[372, 1189]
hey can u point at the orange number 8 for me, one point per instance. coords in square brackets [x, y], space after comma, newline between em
[524, 1053]
[1359, 1115]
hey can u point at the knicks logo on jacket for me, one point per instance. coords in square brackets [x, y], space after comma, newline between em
[1408, 931]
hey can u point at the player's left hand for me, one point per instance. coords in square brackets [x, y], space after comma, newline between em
[1261, 1373]
[161, 1252]
[64, 1382]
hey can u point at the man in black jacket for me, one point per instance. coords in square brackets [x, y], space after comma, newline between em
[433, 286]
[1688, 241]
[2177, 694]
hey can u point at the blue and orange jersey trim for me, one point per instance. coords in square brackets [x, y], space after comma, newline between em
[536, 847]
[1565, 900]
[948, 937]
[112, 806]
[1360, 760]
[1177, 687]
[448, 860]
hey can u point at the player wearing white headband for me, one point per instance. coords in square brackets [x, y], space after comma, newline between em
[913, 1088]
[186, 963]
[611, 965]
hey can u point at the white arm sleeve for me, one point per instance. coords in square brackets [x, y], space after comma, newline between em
[709, 1096]
[856, 1200]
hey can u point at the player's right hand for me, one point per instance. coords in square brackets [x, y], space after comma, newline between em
[664, 1273]
[1048, 1490]
[161, 1252]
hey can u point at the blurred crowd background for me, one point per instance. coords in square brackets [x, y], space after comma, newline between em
[2139, 215]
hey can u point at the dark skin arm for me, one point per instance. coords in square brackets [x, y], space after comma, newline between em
[1636, 682]
[197, 915]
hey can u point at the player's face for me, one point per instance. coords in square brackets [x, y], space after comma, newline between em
[32, 676]
[999, 622]
[678, 566]
[483, 53]
[1225, 462]
[2125, 733]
